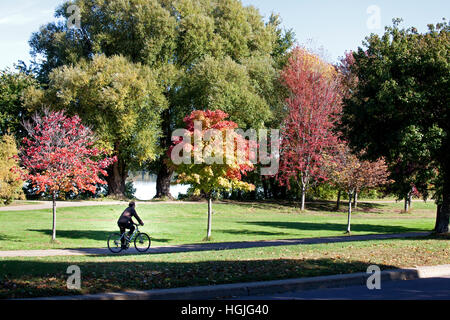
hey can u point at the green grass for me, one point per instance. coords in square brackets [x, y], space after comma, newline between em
[32, 277]
[186, 223]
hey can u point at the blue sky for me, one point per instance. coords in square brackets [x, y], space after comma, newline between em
[336, 26]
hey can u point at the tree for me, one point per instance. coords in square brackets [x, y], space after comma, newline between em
[410, 177]
[191, 42]
[351, 175]
[121, 101]
[10, 182]
[399, 108]
[307, 131]
[12, 110]
[215, 156]
[59, 156]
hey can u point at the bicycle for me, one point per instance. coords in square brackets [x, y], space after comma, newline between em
[141, 240]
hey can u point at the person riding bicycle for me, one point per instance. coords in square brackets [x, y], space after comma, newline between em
[126, 222]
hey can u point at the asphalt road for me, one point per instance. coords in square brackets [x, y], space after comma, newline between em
[420, 289]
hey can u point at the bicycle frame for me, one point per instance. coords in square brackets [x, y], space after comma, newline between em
[131, 238]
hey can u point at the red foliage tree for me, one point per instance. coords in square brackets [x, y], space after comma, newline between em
[58, 156]
[348, 173]
[306, 134]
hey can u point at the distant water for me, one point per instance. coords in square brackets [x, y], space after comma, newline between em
[147, 190]
[145, 186]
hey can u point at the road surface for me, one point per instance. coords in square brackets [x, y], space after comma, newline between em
[420, 289]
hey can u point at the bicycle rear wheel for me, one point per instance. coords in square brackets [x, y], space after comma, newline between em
[142, 242]
[114, 243]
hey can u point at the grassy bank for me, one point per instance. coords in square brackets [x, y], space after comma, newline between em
[186, 223]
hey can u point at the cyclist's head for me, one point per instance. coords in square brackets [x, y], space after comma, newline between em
[132, 204]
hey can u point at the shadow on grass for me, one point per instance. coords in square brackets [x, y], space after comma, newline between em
[251, 232]
[319, 206]
[310, 226]
[85, 234]
[23, 279]
[330, 206]
[5, 237]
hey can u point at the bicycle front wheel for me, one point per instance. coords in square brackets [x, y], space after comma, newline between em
[142, 242]
[114, 243]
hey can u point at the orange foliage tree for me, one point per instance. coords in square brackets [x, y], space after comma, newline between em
[214, 157]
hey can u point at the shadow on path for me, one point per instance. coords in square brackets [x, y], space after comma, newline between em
[85, 234]
[211, 246]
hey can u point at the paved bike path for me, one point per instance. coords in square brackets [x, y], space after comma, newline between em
[208, 246]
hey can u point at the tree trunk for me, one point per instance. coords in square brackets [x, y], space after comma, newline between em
[303, 198]
[164, 172]
[406, 204]
[438, 216]
[443, 215]
[355, 200]
[338, 202]
[117, 175]
[208, 232]
[54, 216]
[410, 200]
[163, 182]
[349, 218]
[266, 192]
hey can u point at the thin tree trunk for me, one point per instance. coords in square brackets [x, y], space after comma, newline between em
[355, 201]
[54, 216]
[264, 183]
[410, 200]
[303, 197]
[349, 218]
[208, 233]
[338, 202]
[406, 207]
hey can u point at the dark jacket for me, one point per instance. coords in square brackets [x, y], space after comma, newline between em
[128, 214]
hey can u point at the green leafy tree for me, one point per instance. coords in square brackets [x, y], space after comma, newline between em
[400, 106]
[10, 182]
[121, 101]
[12, 110]
[191, 42]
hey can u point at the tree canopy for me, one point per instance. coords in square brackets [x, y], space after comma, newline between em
[120, 100]
[59, 156]
[10, 182]
[307, 131]
[213, 54]
[13, 85]
[400, 105]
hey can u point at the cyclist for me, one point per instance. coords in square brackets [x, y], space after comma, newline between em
[126, 222]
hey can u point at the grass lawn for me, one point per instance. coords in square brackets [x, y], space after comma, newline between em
[186, 223]
[32, 277]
